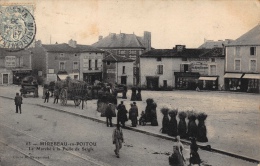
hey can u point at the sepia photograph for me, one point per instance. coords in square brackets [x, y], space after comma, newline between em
[130, 83]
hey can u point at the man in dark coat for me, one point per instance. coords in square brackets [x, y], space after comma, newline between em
[18, 100]
[122, 114]
[133, 114]
[109, 115]
[47, 95]
[56, 96]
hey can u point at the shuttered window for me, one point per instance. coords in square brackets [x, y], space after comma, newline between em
[160, 69]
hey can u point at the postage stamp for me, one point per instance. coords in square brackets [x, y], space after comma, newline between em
[17, 28]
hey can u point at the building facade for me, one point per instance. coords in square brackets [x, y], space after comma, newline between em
[57, 61]
[118, 70]
[183, 68]
[242, 71]
[128, 46]
[14, 66]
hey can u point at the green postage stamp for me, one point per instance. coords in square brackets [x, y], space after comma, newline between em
[17, 28]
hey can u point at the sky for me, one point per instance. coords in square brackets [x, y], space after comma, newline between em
[170, 22]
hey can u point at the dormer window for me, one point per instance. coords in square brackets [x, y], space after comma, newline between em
[108, 62]
[159, 58]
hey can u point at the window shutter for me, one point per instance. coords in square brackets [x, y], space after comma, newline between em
[21, 61]
[93, 64]
[189, 68]
[99, 63]
[85, 63]
[182, 67]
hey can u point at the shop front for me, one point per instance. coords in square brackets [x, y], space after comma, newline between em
[253, 81]
[92, 77]
[186, 80]
[152, 82]
[19, 74]
[233, 82]
[208, 83]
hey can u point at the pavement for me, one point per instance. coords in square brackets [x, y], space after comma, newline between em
[89, 112]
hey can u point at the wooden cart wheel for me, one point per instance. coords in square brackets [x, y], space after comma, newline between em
[63, 96]
[77, 101]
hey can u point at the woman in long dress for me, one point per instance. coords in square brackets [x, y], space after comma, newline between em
[194, 155]
[177, 159]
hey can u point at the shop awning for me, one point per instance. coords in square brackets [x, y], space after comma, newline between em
[73, 74]
[62, 76]
[252, 76]
[208, 78]
[232, 75]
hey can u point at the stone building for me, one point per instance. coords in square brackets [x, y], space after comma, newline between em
[14, 66]
[242, 68]
[118, 69]
[126, 45]
[182, 68]
[53, 62]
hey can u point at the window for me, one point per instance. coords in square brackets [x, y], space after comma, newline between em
[89, 65]
[62, 66]
[96, 64]
[19, 61]
[237, 64]
[75, 65]
[237, 51]
[252, 65]
[159, 69]
[252, 51]
[213, 60]
[123, 70]
[213, 70]
[108, 63]
[61, 54]
[184, 59]
[158, 59]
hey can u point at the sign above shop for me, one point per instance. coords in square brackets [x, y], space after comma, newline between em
[10, 61]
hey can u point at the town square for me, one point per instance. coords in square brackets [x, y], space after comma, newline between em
[129, 94]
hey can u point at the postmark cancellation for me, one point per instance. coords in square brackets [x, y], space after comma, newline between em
[17, 28]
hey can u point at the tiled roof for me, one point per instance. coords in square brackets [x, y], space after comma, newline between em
[213, 44]
[252, 37]
[120, 40]
[5, 52]
[215, 52]
[117, 58]
[173, 53]
[66, 48]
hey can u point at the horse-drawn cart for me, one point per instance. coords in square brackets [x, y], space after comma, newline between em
[75, 90]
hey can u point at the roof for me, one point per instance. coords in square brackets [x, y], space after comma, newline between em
[189, 53]
[120, 40]
[117, 58]
[213, 44]
[215, 52]
[251, 37]
[66, 48]
[6, 52]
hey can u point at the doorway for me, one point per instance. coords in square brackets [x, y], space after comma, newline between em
[123, 80]
[5, 78]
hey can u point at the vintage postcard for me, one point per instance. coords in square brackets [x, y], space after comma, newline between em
[116, 83]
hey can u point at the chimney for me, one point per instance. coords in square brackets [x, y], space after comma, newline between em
[223, 49]
[180, 48]
[147, 40]
[39, 43]
[100, 38]
[72, 43]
